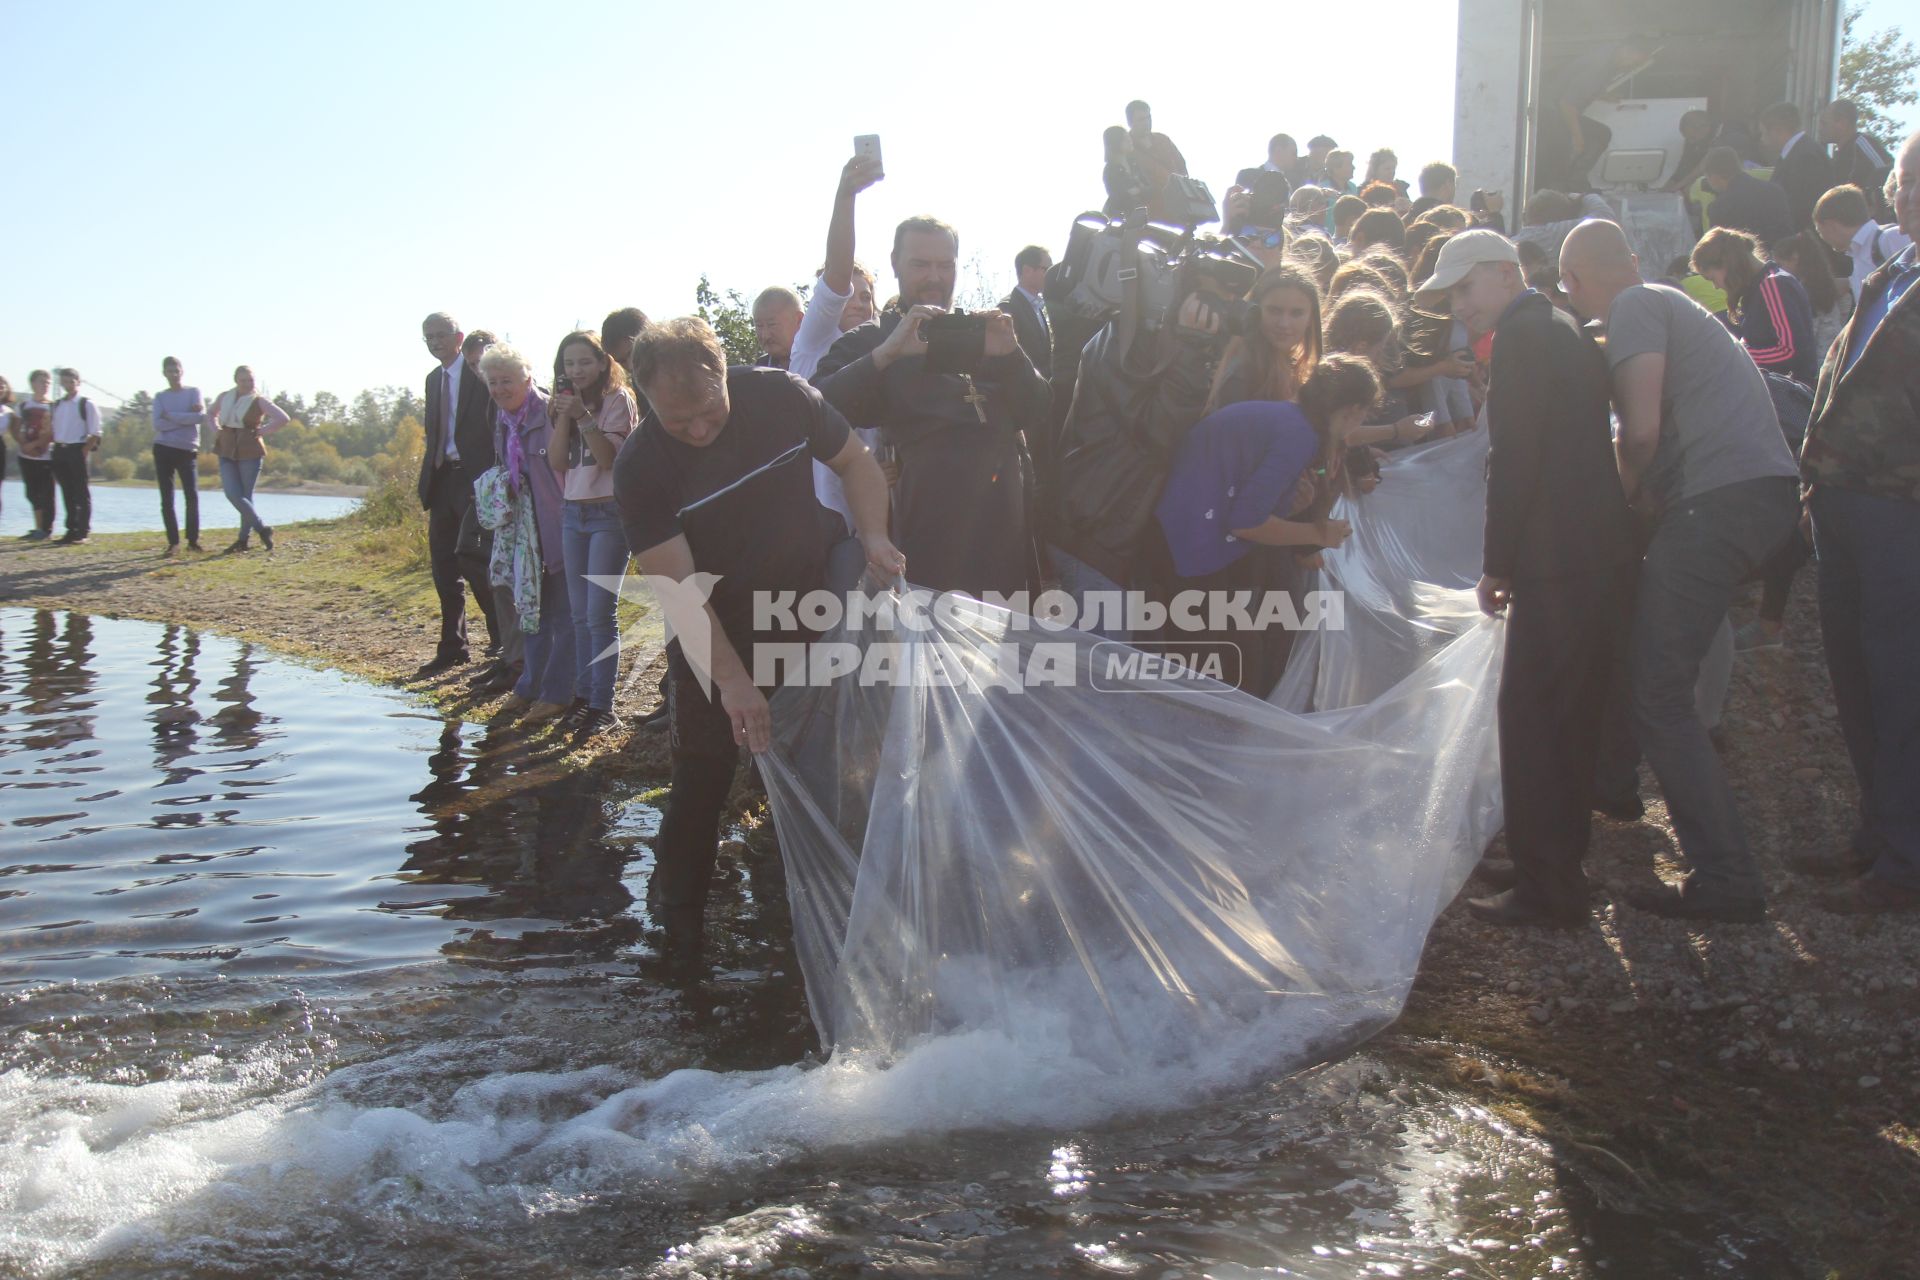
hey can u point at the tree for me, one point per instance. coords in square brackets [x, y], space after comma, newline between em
[732, 320]
[1877, 74]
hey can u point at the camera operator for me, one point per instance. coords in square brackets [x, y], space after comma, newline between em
[955, 399]
[1140, 391]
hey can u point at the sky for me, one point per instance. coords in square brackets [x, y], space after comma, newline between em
[294, 187]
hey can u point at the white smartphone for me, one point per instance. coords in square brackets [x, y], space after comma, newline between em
[867, 147]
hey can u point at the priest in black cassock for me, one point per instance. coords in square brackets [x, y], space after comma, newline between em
[960, 508]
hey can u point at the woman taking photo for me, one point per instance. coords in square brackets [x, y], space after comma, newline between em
[1769, 308]
[527, 542]
[241, 419]
[1273, 362]
[1248, 493]
[592, 412]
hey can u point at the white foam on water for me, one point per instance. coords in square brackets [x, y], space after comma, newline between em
[90, 1169]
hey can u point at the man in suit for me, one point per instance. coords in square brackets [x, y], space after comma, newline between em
[1029, 310]
[1559, 562]
[1744, 202]
[459, 447]
[1861, 471]
[1803, 170]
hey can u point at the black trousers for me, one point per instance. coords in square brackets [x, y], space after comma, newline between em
[456, 569]
[704, 758]
[37, 475]
[70, 473]
[1564, 640]
[168, 463]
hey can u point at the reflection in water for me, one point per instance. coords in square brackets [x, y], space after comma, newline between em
[232, 1043]
[170, 799]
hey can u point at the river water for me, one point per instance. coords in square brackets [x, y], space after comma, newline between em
[298, 979]
[118, 509]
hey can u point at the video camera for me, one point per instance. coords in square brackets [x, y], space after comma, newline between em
[1166, 264]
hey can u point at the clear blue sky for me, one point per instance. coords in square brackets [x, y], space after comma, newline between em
[295, 186]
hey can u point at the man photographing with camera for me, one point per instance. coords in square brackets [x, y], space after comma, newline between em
[954, 397]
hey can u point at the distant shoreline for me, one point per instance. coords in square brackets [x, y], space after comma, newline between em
[293, 488]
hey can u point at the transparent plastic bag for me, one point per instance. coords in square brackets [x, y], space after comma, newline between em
[1141, 874]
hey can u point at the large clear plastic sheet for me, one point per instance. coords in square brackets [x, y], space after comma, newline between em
[1147, 878]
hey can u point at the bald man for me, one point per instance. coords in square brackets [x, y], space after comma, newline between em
[1702, 460]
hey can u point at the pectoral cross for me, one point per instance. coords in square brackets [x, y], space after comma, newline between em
[975, 397]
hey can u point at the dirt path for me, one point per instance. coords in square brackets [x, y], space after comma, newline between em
[1760, 1073]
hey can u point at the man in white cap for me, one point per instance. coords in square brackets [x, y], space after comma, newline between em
[1558, 562]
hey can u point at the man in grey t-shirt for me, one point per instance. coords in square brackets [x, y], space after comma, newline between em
[1702, 459]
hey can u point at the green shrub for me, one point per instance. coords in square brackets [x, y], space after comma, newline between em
[116, 469]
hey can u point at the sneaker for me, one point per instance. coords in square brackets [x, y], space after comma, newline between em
[34, 535]
[1757, 635]
[571, 716]
[266, 537]
[74, 540]
[238, 545]
[172, 552]
[195, 547]
[594, 722]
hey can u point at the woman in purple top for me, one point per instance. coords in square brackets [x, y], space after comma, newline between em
[521, 434]
[1250, 489]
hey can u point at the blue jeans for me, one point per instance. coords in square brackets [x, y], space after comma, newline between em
[548, 675]
[1869, 551]
[1078, 579]
[1703, 548]
[593, 542]
[236, 481]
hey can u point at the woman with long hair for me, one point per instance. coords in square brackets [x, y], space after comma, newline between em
[1272, 362]
[1804, 257]
[1248, 494]
[1769, 308]
[1382, 166]
[241, 419]
[1363, 325]
[593, 412]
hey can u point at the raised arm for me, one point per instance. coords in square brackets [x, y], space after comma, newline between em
[859, 174]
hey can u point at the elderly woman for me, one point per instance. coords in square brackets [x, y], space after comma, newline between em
[529, 540]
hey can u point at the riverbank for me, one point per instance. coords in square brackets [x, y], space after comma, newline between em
[1761, 1075]
[210, 481]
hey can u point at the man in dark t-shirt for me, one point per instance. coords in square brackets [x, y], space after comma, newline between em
[715, 492]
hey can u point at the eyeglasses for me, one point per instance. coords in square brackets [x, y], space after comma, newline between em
[431, 338]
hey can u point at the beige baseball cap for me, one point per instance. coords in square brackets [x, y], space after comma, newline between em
[1463, 252]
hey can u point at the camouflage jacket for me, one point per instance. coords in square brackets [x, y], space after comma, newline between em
[1865, 430]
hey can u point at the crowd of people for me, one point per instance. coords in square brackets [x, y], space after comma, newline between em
[1656, 439]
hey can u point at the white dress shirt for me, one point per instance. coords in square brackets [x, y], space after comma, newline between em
[1039, 307]
[452, 388]
[1889, 241]
[73, 426]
